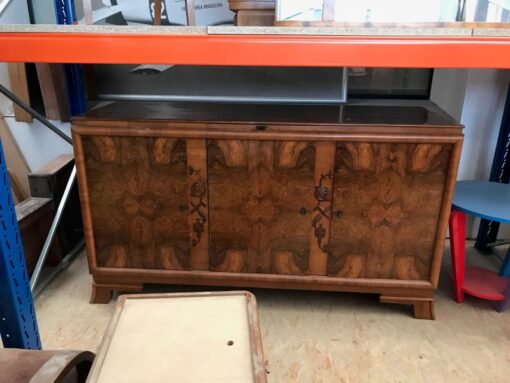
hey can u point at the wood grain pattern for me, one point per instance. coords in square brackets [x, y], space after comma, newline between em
[390, 199]
[34, 216]
[393, 180]
[53, 88]
[190, 12]
[449, 191]
[321, 213]
[14, 158]
[253, 13]
[50, 182]
[198, 204]
[16, 188]
[135, 187]
[260, 197]
[19, 86]
[157, 12]
[423, 308]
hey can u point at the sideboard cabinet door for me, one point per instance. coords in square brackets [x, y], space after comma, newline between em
[138, 193]
[386, 206]
[261, 196]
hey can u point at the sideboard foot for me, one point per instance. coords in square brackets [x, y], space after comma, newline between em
[103, 293]
[423, 308]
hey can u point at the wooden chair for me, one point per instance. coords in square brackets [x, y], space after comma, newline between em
[35, 366]
[488, 200]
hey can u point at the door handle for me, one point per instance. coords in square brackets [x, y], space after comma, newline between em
[338, 213]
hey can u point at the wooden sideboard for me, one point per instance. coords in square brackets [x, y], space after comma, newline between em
[339, 198]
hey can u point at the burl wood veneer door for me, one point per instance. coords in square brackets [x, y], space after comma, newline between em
[260, 198]
[386, 206]
[138, 192]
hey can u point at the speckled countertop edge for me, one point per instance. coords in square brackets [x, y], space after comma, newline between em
[232, 30]
[332, 31]
[106, 29]
[491, 32]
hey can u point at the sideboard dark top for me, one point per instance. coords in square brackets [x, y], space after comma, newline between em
[357, 114]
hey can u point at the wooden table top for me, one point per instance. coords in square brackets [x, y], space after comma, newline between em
[185, 338]
[304, 114]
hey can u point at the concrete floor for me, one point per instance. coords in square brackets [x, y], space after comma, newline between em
[312, 337]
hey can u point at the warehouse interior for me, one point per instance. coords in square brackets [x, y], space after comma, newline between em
[254, 190]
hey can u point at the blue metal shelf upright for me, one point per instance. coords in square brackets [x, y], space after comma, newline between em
[18, 324]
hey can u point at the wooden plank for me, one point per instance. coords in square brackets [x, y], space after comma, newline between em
[34, 216]
[190, 12]
[19, 86]
[14, 158]
[321, 214]
[393, 287]
[53, 90]
[17, 189]
[157, 12]
[81, 176]
[55, 165]
[31, 206]
[50, 182]
[198, 203]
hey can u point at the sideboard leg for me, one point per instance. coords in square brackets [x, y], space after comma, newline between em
[423, 308]
[101, 294]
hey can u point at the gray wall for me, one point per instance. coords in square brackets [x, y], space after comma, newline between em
[476, 97]
[44, 11]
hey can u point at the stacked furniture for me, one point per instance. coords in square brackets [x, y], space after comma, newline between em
[339, 198]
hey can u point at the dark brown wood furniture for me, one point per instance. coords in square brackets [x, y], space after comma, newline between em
[50, 182]
[350, 198]
[253, 12]
[34, 217]
[36, 366]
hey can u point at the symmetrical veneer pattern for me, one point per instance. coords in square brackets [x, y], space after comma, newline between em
[350, 198]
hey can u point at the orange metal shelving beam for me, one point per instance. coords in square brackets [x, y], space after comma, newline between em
[264, 50]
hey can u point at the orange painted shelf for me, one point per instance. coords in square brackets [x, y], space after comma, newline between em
[263, 50]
